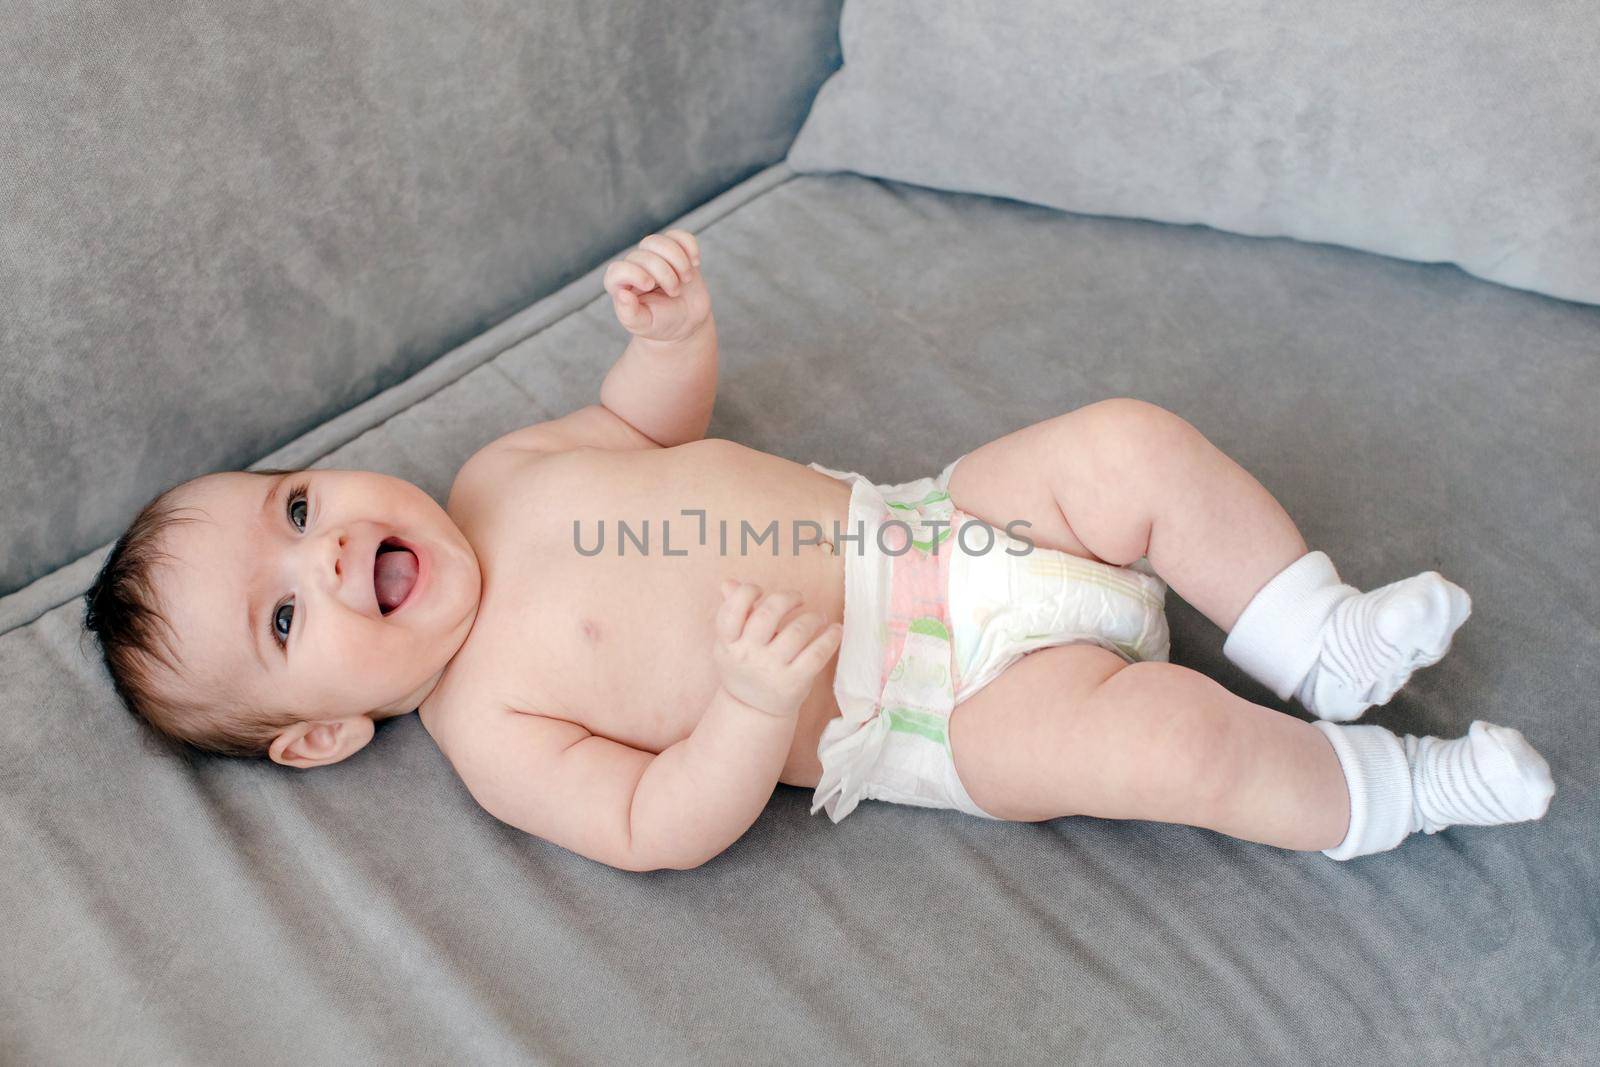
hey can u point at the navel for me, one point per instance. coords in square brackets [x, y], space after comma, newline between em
[591, 631]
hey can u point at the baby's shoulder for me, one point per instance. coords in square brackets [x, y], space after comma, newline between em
[497, 473]
[490, 465]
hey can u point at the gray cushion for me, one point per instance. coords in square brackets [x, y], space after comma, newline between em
[220, 227]
[1461, 133]
[1409, 417]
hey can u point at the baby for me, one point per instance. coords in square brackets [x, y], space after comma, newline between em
[622, 634]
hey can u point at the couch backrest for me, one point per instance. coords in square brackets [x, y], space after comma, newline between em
[224, 224]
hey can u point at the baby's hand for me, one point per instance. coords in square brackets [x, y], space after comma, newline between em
[657, 290]
[770, 673]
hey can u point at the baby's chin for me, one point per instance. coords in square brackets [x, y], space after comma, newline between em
[442, 594]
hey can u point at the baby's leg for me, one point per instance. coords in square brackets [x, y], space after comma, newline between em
[1073, 730]
[1122, 479]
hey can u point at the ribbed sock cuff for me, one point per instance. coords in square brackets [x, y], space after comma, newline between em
[1379, 779]
[1278, 636]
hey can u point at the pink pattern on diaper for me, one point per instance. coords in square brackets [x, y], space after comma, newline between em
[919, 589]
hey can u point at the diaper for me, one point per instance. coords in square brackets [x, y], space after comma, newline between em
[937, 604]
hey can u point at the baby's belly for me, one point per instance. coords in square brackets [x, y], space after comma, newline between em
[627, 625]
[641, 671]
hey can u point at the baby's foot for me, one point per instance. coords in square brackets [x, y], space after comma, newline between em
[1488, 777]
[1373, 642]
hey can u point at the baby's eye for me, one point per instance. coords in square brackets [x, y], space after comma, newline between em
[282, 619]
[298, 508]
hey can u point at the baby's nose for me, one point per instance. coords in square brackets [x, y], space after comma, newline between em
[338, 556]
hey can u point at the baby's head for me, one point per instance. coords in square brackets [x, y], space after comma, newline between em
[282, 613]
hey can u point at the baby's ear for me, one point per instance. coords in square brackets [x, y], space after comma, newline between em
[317, 744]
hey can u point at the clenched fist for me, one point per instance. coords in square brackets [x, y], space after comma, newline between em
[657, 290]
[761, 665]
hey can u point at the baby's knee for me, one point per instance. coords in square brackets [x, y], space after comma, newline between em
[1198, 744]
[1124, 428]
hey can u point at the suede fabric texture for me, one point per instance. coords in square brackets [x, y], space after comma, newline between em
[1408, 416]
[1429, 131]
[225, 224]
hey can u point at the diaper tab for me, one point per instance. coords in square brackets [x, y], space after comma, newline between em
[849, 751]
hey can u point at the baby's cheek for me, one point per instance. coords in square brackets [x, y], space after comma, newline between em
[375, 660]
[370, 653]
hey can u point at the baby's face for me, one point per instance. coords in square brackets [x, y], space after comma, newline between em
[274, 592]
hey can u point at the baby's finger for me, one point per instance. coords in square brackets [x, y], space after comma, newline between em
[735, 606]
[631, 311]
[689, 243]
[625, 275]
[659, 269]
[669, 250]
[765, 618]
[814, 656]
[794, 636]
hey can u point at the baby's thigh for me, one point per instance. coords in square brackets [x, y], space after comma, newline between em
[1086, 480]
[1016, 476]
[1020, 743]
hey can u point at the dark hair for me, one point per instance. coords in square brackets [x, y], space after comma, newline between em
[122, 609]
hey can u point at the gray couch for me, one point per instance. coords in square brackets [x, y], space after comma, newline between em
[371, 235]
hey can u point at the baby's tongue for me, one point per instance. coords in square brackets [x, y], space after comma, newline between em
[394, 573]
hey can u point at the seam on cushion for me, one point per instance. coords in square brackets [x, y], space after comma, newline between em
[699, 219]
[494, 365]
[273, 459]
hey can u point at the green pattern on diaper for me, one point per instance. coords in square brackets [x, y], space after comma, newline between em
[912, 721]
[932, 498]
[939, 538]
[930, 626]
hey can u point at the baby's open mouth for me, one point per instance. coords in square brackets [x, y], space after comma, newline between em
[394, 572]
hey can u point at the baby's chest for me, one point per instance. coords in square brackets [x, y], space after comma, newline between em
[623, 651]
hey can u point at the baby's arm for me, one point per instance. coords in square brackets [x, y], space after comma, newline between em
[661, 391]
[639, 812]
[666, 381]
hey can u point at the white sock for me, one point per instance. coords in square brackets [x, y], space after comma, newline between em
[1336, 649]
[1401, 785]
